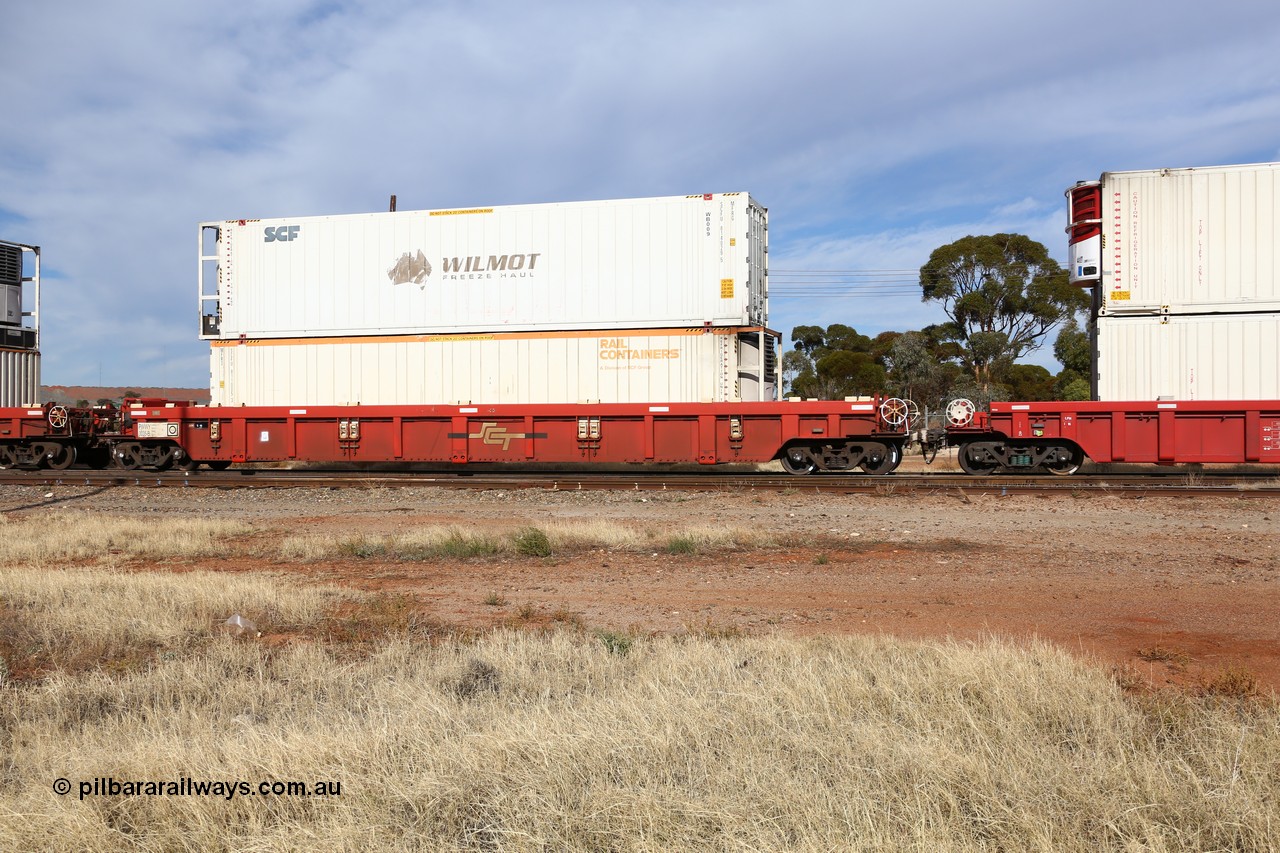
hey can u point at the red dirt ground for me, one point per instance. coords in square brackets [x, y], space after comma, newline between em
[1169, 590]
[1180, 606]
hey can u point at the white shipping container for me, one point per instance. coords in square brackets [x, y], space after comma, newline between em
[665, 365]
[1187, 357]
[1200, 240]
[19, 377]
[633, 263]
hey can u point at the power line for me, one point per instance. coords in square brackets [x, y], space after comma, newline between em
[863, 294]
[855, 281]
[913, 271]
[844, 284]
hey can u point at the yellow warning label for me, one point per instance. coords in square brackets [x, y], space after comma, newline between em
[460, 212]
[1119, 296]
[733, 241]
[726, 288]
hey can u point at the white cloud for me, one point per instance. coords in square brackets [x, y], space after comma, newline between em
[874, 134]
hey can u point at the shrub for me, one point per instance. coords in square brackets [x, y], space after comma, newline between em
[362, 547]
[479, 677]
[617, 643]
[532, 542]
[1232, 683]
[682, 545]
[459, 546]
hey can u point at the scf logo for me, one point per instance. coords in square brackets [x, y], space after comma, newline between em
[281, 233]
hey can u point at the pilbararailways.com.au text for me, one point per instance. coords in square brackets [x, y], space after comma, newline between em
[185, 786]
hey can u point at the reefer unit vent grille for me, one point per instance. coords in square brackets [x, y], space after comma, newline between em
[10, 265]
[770, 359]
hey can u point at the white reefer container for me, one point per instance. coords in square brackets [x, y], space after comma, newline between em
[660, 365]
[1200, 240]
[19, 377]
[19, 342]
[1189, 357]
[633, 263]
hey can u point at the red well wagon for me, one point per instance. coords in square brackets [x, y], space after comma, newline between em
[806, 436]
[1058, 436]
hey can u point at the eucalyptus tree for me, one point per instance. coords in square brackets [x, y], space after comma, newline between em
[1002, 294]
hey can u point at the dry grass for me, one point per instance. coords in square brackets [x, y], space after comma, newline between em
[1233, 682]
[457, 542]
[51, 538]
[77, 619]
[571, 739]
[1174, 657]
[584, 741]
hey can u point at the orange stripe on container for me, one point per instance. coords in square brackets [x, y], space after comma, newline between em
[497, 336]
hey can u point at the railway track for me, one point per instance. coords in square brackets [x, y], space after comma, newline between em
[1256, 485]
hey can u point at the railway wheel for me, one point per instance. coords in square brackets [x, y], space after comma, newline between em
[8, 458]
[795, 460]
[188, 464]
[219, 464]
[1064, 461]
[885, 462]
[975, 459]
[61, 457]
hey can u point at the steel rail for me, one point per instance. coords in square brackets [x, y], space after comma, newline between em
[1260, 485]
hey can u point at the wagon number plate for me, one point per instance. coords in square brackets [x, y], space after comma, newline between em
[160, 429]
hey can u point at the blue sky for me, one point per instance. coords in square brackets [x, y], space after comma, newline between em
[873, 132]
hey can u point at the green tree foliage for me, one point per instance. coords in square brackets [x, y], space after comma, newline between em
[833, 363]
[840, 337]
[1075, 389]
[924, 366]
[1029, 382]
[921, 367]
[1074, 350]
[807, 339]
[1002, 293]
